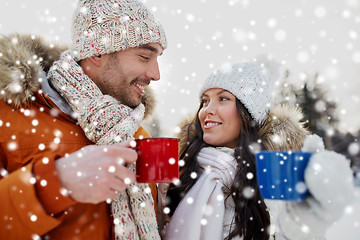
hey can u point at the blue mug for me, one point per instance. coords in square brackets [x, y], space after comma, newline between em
[280, 174]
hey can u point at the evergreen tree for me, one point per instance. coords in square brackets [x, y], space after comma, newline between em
[319, 111]
[321, 119]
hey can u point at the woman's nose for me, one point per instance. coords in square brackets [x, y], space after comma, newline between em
[210, 108]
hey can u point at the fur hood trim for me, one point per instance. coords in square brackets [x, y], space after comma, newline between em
[23, 57]
[282, 129]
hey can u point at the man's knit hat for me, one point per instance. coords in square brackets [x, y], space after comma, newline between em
[250, 82]
[106, 26]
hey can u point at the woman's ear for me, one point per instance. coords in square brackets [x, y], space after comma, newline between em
[96, 60]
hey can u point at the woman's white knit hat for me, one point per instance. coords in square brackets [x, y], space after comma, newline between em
[250, 82]
[106, 26]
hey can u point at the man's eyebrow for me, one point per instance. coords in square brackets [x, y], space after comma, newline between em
[151, 48]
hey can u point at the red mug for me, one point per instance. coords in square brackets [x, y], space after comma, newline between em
[158, 160]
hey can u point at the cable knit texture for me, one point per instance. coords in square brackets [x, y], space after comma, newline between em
[106, 26]
[201, 212]
[251, 82]
[106, 121]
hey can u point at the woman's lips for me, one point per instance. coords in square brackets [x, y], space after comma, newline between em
[211, 124]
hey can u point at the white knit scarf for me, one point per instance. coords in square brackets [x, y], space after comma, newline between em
[200, 214]
[106, 121]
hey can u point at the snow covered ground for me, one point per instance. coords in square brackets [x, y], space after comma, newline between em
[348, 227]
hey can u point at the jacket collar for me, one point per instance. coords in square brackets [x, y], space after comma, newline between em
[60, 102]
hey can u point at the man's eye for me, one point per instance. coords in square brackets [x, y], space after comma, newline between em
[145, 57]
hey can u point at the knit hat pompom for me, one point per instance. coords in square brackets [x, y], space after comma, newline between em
[252, 82]
[106, 26]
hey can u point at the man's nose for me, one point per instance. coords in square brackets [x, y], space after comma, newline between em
[153, 71]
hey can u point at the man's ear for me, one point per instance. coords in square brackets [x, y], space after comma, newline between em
[96, 60]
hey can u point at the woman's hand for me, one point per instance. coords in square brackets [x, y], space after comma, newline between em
[329, 179]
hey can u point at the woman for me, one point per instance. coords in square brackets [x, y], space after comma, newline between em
[217, 196]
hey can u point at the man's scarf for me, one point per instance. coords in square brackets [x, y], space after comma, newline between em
[106, 121]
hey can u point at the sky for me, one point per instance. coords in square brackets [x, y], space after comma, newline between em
[307, 37]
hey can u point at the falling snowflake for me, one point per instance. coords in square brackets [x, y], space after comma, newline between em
[120, 161]
[320, 106]
[301, 187]
[12, 146]
[3, 172]
[127, 181]
[280, 35]
[35, 237]
[220, 197]
[181, 163]
[305, 228]
[190, 17]
[255, 147]
[249, 175]
[189, 200]
[33, 218]
[303, 57]
[354, 149]
[32, 180]
[135, 189]
[15, 87]
[116, 221]
[203, 221]
[271, 23]
[147, 190]
[172, 161]
[41, 147]
[248, 192]
[320, 12]
[166, 210]
[239, 35]
[133, 144]
[349, 209]
[112, 169]
[193, 175]
[43, 182]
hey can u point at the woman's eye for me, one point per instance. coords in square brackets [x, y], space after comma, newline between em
[145, 57]
[224, 99]
[203, 101]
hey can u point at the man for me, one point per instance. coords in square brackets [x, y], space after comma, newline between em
[55, 183]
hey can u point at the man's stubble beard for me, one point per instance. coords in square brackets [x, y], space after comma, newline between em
[121, 93]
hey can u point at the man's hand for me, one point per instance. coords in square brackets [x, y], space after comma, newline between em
[96, 173]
